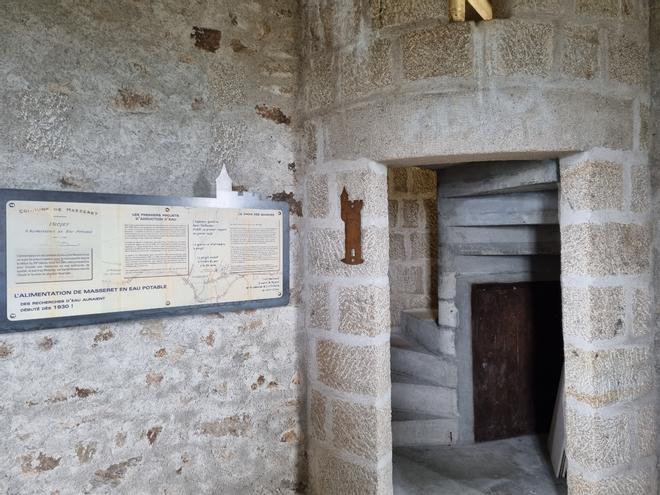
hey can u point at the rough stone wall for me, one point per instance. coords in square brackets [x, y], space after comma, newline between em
[152, 98]
[608, 333]
[350, 439]
[413, 220]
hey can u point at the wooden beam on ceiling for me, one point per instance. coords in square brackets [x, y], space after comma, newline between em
[482, 7]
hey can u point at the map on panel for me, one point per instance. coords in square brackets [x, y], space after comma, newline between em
[72, 259]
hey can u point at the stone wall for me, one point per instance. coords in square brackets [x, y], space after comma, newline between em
[413, 271]
[608, 336]
[152, 98]
[392, 81]
[350, 444]
[654, 36]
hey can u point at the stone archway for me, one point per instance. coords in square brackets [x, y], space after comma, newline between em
[604, 218]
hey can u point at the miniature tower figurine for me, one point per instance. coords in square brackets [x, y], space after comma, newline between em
[223, 182]
[351, 214]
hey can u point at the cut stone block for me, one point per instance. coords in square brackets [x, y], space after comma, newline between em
[368, 186]
[523, 48]
[319, 81]
[605, 377]
[605, 249]
[317, 196]
[642, 312]
[361, 430]
[397, 247]
[597, 442]
[362, 73]
[392, 212]
[406, 279]
[593, 185]
[332, 475]
[364, 310]
[593, 313]
[358, 369]
[445, 50]
[579, 52]
[633, 482]
[317, 413]
[410, 213]
[386, 13]
[319, 314]
[326, 250]
[597, 8]
[423, 181]
[640, 190]
[628, 59]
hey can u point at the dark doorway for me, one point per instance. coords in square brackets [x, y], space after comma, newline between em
[517, 354]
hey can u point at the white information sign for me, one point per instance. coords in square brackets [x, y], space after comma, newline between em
[73, 259]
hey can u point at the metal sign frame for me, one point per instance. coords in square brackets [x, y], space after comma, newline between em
[224, 200]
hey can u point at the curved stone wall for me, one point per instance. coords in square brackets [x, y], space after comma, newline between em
[394, 82]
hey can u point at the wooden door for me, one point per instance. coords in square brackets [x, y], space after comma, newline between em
[517, 356]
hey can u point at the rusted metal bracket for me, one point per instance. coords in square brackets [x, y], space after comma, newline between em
[351, 214]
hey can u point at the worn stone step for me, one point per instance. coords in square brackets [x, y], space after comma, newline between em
[420, 432]
[501, 235]
[420, 326]
[423, 366]
[424, 399]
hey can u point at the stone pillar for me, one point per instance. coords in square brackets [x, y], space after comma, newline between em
[348, 321]
[606, 275]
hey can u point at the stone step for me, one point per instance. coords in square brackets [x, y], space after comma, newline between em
[410, 416]
[503, 240]
[407, 364]
[538, 208]
[420, 327]
[496, 178]
[508, 248]
[421, 432]
[424, 399]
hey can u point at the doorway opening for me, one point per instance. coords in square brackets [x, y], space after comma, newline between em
[517, 350]
[475, 375]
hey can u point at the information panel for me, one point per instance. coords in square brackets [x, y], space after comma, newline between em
[70, 259]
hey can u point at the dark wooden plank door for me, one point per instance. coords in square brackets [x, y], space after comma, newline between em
[517, 355]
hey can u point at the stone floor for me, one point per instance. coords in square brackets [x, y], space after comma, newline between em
[516, 466]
